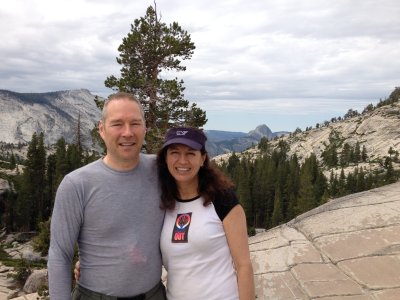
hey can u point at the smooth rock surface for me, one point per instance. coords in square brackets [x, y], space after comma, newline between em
[348, 248]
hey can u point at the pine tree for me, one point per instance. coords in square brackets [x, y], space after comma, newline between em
[150, 48]
[342, 184]
[351, 182]
[263, 145]
[357, 153]
[233, 162]
[50, 191]
[360, 185]
[306, 200]
[293, 182]
[13, 163]
[32, 186]
[257, 191]
[364, 155]
[242, 177]
[62, 167]
[390, 176]
[345, 155]
[320, 188]
[277, 216]
[333, 184]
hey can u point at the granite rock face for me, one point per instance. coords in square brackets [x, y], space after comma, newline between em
[348, 248]
[377, 130]
[55, 114]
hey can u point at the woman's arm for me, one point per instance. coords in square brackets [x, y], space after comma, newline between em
[77, 270]
[236, 234]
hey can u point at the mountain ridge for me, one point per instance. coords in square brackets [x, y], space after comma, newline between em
[375, 129]
[56, 115]
[220, 142]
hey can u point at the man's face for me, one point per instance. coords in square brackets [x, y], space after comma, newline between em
[123, 132]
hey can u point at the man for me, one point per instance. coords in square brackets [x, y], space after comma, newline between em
[111, 208]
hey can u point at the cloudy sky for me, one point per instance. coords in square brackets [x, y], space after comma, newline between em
[283, 63]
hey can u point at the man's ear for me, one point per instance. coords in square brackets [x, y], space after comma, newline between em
[101, 128]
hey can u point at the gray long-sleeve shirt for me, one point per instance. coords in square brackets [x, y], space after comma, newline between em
[116, 220]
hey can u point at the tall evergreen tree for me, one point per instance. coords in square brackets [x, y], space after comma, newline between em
[342, 184]
[263, 145]
[364, 155]
[50, 184]
[360, 180]
[13, 163]
[306, 200]
[357, 153]
[390, 176]
[308, 193]
[31, 207]
[333, 184]
[150, 48]
[258, 192]
[62, 166]
[242, 179]
[345, 155]
[351, 182]
[320, 189]
[277, 215]
[292, 185]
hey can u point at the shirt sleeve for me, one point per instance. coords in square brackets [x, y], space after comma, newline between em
[224, 203]
[65, 226]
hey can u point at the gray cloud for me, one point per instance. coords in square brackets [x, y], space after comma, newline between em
[287, 56]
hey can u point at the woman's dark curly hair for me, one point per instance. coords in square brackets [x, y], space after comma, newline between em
[212, 182]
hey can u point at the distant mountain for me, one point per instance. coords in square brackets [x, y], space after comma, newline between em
[54, 113]
[376, 129]
[218, 135]
[220, 142]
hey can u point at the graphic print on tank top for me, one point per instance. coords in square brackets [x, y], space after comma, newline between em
[180, 234]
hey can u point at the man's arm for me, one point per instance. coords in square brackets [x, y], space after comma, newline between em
[66, 221]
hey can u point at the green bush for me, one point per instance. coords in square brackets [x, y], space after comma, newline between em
[251, 231]
[41, 242]
[23, 270]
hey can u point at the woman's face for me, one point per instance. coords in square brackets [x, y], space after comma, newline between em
[184, 163]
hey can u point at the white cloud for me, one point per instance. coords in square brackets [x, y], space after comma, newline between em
[280, 57]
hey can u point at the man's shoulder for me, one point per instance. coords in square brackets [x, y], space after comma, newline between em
[90, 167]
[148, 158]
[148, 162]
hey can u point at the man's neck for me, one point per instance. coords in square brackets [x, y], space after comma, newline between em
[120, 166]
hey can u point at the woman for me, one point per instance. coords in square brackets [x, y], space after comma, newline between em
[204, 241]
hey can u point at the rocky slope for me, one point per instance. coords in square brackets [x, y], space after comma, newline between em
[55, 114]
[348, 248]
[377, 130]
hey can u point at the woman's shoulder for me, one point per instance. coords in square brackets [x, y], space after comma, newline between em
[224, 202]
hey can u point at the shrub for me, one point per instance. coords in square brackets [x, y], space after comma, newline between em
[41, 242]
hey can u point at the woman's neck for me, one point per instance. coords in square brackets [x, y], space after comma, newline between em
[188, 191]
